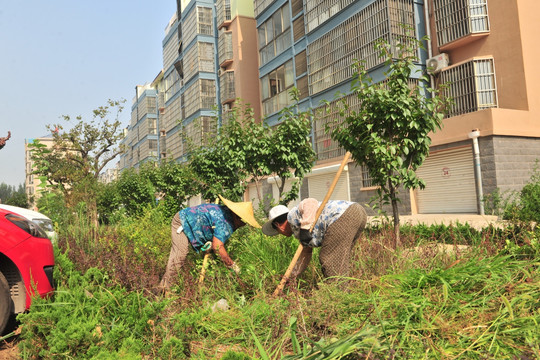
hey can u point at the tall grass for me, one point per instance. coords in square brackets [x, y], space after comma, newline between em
[396, 304]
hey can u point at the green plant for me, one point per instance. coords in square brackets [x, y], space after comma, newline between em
[389, 129]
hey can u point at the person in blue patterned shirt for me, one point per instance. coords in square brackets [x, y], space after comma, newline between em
[205, 227]
[336, 231]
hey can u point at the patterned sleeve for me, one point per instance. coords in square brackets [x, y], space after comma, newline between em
[307, 209]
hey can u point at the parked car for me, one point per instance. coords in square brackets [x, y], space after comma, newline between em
[42, 220]
[26, 265]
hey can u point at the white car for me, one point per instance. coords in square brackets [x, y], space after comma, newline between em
[43, 221]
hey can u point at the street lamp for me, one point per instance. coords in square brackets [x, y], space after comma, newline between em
[474, 134]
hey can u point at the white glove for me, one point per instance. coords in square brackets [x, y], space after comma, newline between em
[234, 267]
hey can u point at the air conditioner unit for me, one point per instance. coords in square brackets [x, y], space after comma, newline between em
[437, 63]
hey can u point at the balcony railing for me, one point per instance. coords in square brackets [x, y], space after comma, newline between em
[472, 86]
[225, 48]
[223, 12]
[228, 92]
[455, 19]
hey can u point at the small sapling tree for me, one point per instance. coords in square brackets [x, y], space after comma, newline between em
[389, 130]
[291, 153]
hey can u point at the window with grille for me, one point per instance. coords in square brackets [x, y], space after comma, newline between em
[324, 146]
[455, 19]
[197, 22]
[260, 5]
[331, 56]
[275, 86]
[223, 11]
[318, 12]
[471, 85]
[274, 34]
[199, 132]
[367, 180]
[152, 126]
[172, 84]
[227, 89]
[200, 95]
[225, 48]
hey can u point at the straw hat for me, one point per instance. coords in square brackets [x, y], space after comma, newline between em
[243, 209]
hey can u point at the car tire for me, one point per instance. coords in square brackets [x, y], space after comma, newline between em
[6, 304]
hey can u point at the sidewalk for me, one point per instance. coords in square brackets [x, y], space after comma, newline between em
[476, 221]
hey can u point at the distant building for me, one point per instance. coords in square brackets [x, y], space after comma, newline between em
[32, 182]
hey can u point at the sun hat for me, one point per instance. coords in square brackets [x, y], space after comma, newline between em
[243, 209]
[274, 213]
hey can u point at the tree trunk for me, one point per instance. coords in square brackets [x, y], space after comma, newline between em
[395, 213]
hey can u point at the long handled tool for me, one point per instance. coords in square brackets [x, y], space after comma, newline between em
[317, 214]
[205, 262]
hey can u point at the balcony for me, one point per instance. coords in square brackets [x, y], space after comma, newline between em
[228, 92]
[460, 19]
[225, 49]
[223, 13]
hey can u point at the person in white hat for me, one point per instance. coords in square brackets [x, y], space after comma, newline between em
[206, 227]
[336, 231]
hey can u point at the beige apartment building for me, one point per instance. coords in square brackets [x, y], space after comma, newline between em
[32, 182]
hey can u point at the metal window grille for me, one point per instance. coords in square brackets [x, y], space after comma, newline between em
[198, 132]
[329, 116]
[227, 88]
[472, 86]
[206, 57]
[223, 11]
[260, 5]
[225, 48]
[205, 21]
[367, 180]
[455, 19]
[318, 12]
[330, 57]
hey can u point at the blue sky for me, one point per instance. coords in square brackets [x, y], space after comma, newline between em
[67, 57]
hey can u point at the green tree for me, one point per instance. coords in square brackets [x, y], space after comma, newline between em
[389, 130]
[79, 154]
[290, 152]
[13, 196]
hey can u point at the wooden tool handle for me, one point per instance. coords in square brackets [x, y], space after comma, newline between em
[317, 214]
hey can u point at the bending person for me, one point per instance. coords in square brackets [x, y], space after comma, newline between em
[205, 227]
[336, 231]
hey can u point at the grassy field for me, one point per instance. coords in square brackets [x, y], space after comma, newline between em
[475, 302]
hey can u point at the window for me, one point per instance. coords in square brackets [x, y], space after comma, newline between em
[330, 57]
[455, 19]
[275, 34]
[197, 22]
[367, 180]
[471, 85]
[275, 86]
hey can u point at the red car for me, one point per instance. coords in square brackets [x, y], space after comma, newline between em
[26, 265]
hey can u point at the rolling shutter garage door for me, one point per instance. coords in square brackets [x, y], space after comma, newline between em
[450, 184]
[318, 186]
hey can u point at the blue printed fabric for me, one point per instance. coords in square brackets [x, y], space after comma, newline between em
[202, 222]
[331, 212]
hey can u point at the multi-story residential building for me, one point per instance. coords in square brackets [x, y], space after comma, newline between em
[32, 182]
[491, 69]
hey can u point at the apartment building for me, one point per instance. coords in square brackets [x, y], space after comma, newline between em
[209, 61]
[32, 182]
[483, 48]
[141, 141]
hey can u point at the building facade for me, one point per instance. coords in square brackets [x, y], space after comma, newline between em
[32, 182]
[480, 48]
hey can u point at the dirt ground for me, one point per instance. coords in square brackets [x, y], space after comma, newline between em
[9, 349]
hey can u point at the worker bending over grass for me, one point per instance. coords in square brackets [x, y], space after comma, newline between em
[336, 231]
[207, 227]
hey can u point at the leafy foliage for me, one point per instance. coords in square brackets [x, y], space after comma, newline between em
[12, 195]
[291, 152]
[389, 131]
[78, 155]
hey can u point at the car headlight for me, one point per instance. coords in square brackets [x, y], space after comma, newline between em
[28, 226]
[45, 224]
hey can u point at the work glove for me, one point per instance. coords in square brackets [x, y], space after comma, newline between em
[234, 267]
[305, 237]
